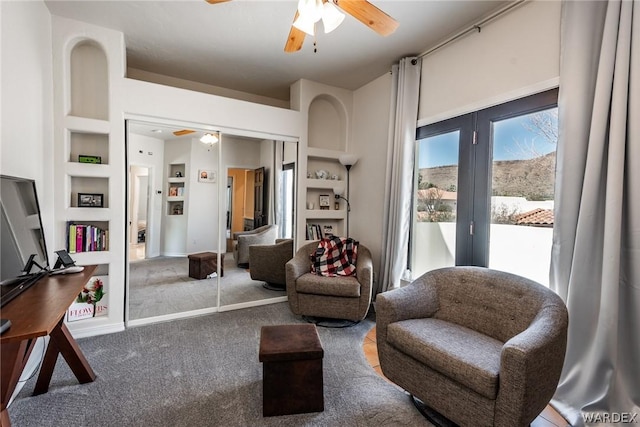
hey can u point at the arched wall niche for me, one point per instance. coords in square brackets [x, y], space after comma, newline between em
[89, 80]
[327, 123]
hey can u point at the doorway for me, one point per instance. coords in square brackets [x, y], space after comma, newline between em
[138, 211]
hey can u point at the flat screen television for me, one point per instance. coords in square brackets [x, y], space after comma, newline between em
[23, 250]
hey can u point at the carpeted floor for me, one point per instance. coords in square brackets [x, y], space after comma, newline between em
[160, 286]
[205, 371]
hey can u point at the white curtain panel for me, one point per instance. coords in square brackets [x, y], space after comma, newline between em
[595, 263]
[399, 179]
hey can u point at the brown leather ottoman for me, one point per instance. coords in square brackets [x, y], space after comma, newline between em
[292, 370]
[204, 263]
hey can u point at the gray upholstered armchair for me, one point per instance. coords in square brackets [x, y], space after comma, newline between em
[265, 235]
[479, 346]
[331, 297]
[268, 262]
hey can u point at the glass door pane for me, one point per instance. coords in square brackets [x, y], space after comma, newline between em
[522, 189]
[435, 201]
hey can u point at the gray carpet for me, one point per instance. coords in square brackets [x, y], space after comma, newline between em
[205, 371]
[160, 286]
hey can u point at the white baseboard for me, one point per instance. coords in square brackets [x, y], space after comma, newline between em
[97, 330]
[252, 304]
[173, 316]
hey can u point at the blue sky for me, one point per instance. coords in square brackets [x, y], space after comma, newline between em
[512, 141]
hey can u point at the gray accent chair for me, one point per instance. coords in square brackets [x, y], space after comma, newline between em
[339, 297]
[268, 262]
[265, 235]
[481, 347]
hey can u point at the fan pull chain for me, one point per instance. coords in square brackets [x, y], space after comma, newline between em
[315, 42]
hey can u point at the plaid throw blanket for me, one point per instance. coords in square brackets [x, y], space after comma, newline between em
[335, 256]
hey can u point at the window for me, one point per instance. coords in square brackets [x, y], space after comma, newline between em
[484, 187]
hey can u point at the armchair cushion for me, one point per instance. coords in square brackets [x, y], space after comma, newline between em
[322, 285]
[335, 256]
[472, 359]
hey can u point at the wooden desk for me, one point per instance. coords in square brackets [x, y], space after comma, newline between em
[37, 312]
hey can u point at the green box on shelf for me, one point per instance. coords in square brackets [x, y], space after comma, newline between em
[83, 158]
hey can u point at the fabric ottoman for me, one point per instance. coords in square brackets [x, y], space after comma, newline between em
[292, 369]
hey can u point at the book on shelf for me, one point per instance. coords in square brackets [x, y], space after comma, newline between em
[86, 238]
[315, 232]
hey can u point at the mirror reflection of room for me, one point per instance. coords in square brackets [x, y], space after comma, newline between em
[181, 207]
[172, 213]
[259, 233]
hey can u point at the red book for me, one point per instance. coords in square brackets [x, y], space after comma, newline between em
[79, 236]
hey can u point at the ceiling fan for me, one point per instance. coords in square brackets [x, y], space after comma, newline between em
[183, 132]
[311, 11]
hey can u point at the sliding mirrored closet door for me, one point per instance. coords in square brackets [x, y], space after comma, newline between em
[260, 186]
[187, 200]
[173, 221]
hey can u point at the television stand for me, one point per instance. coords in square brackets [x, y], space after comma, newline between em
[37, 312]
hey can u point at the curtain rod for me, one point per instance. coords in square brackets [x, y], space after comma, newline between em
[476, 27]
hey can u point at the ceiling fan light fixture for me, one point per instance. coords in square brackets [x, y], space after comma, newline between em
[309, 12]
[303, 23]
[331, 17]
[209, 138]
[311, 9]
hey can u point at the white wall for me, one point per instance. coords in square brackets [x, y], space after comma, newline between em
[26, 109]
[147, 76]
[516, 55]
[202, 199]
[160, 104]
[149, 152]
[367, 177]
[240, 153]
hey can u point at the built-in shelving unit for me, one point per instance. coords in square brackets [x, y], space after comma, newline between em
[176, 189]
[175, 202]
[324, 174]
[84, 179]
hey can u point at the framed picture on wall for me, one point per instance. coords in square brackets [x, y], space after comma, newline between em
[86, 200]
[205, 175]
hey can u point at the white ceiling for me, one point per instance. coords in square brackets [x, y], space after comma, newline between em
[239, 44]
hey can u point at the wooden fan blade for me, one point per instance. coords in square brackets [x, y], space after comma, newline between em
[183, 132]
[369, 15]
[216, 1]
[295, 39]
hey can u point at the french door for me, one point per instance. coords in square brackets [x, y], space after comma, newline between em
[483, 189]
